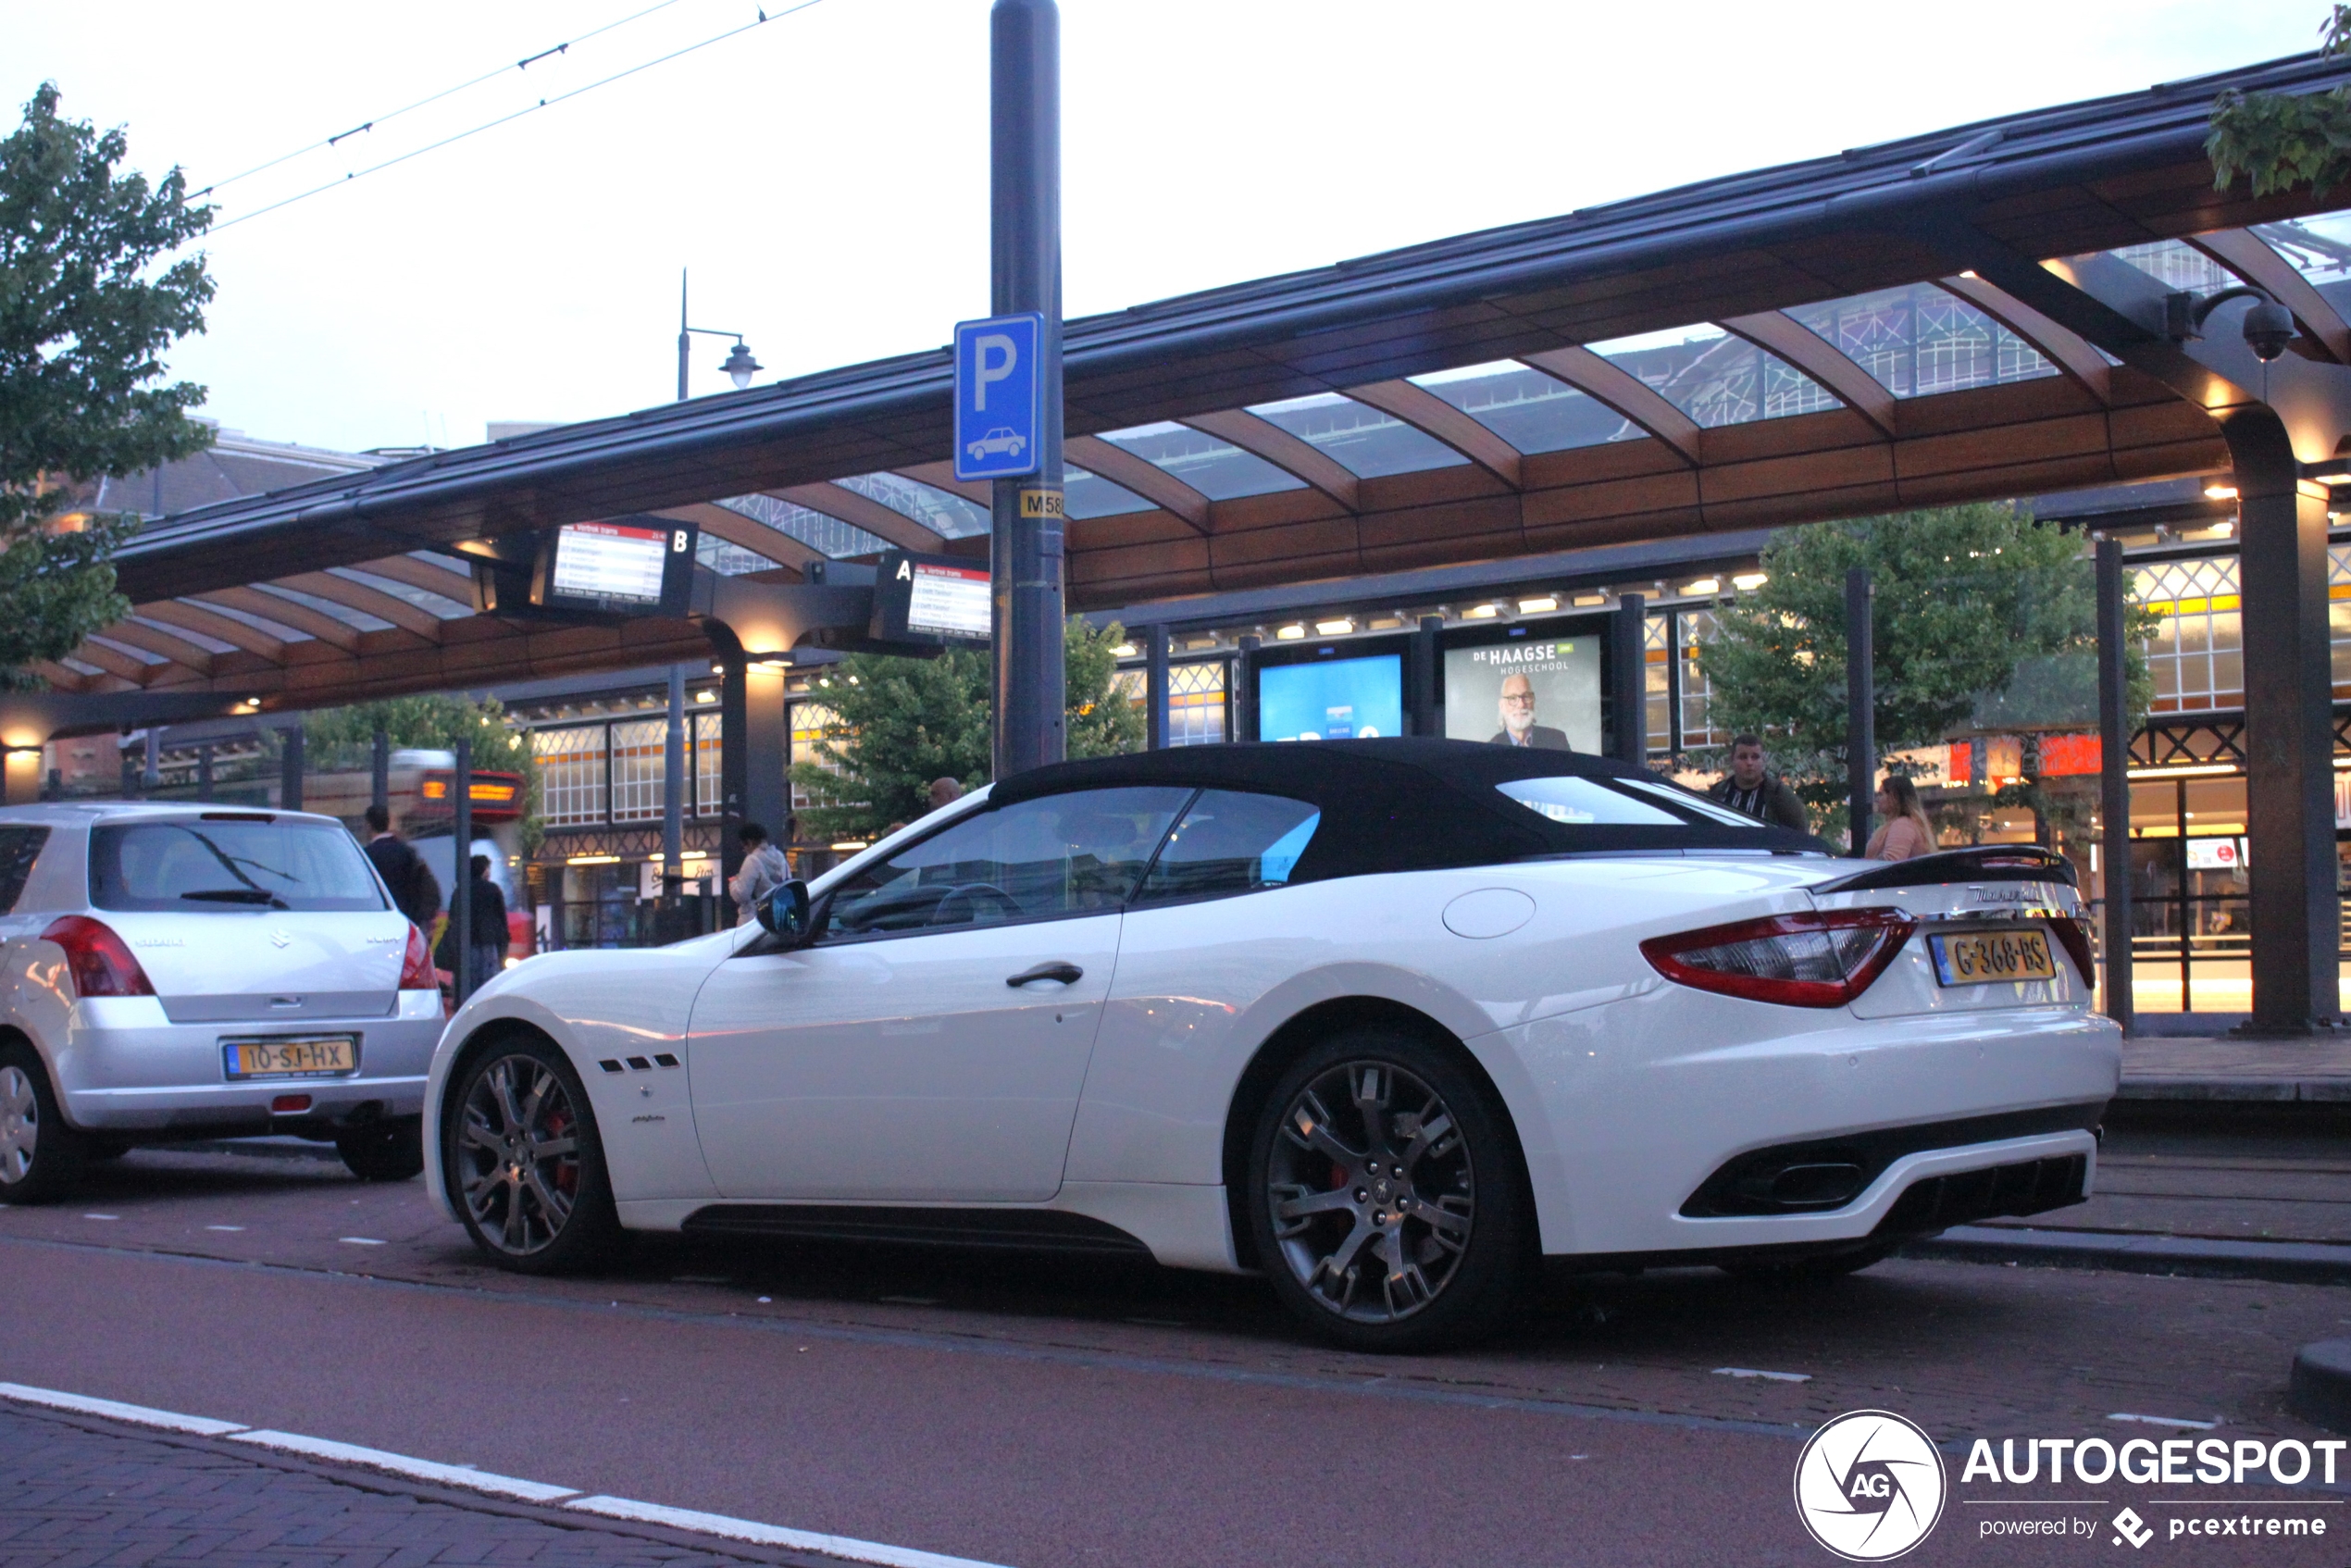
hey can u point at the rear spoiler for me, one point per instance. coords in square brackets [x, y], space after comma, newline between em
[1986, 863]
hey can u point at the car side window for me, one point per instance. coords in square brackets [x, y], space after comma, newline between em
[1076, 853]
[1230, 843]
[19, 847]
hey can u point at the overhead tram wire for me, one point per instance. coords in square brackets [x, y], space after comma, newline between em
[764, 18]
[522, 63]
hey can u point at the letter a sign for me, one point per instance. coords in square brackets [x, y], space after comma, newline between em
[996, 403]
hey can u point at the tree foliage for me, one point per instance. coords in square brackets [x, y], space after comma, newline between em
[89, 303]
[336, 739]
[2281, 141]
[900, 723]
[1982, 618]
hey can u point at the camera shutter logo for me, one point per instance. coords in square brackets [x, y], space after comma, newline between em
[1869, 1486]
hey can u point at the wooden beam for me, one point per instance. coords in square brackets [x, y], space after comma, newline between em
[749, 533]
[2250, 258]
[285, 611]
[1148, 481]
[367, 601]
[840, 502]
[1777, 332]
[2066, 351]
[178, 650]
[1624, 392]
[114, 661]
[1432, 415]
[1261, 437]
[219, 627]
[62, 677]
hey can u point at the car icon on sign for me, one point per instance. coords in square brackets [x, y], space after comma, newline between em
[1001, 439]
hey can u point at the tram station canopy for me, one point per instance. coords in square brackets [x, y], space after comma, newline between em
[1910, 324]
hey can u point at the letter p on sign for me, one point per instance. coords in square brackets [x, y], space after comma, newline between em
[997, 401]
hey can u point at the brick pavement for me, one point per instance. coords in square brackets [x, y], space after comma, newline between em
[71, 1496]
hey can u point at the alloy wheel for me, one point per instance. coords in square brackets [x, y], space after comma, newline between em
[20, 1124]
[1371, 1193]
[518, 1155]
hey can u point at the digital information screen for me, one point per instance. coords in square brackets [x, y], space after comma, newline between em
[948, 600]
[1544, 693]
[609, 563]
[1334, 700]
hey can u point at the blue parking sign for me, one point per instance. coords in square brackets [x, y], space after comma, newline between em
[996, 403]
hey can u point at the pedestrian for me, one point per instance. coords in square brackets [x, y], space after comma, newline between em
[1754, 790]
[945, 792]
[489, 915]
[1904, 833]
[416, 891]
[764, 870]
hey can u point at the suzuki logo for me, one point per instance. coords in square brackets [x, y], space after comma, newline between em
[280, 938]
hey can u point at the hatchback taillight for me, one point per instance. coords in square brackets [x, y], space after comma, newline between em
[2074, 936]
[416, 968]
[1822, 958]
[99, 961]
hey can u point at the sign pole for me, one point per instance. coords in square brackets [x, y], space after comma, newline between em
[1025, 275]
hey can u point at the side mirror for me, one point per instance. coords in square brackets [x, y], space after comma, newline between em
[785, 911]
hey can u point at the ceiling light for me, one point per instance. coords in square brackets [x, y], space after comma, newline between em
[1703, 586]
[2223, 529]
[1747, 582]
[849, 845]
[1333, 629]
[1585, 601]
[2220, 491]
[1290, 633]
[1537, 606]
[1480, 613]
[705, 696]
[593, 860]
[718, 669]
[1125, 650]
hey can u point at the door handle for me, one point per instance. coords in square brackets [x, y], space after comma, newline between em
[1067, 974]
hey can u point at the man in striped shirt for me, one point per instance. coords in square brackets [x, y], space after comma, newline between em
[1760, 795]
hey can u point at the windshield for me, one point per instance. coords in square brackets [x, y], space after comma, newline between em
[223, 865]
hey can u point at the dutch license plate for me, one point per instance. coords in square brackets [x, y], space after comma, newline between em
[1981, 958]
[307, 1056]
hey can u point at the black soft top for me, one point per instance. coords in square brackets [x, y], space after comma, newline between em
[1407, 805]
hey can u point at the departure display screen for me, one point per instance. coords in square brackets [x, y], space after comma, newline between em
[609, 564]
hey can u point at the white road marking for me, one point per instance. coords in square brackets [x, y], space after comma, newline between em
[359, 1240]
[102, 1217]
[847, 1547]
[1774, 1377]
[769, 1535]
[2166, 1420]
[224, 1227]
[401, 1464]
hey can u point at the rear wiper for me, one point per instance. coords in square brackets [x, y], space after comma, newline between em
[239, 895]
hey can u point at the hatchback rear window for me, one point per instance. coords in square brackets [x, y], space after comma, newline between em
[195, 865]
[1619, 801]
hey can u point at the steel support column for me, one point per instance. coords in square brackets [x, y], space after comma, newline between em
[290, 766]
[1026, 274]
[1244, 692]
[1155, 687]
[1629, 687]
[1860, 708]
[378, 769]
[461, 869]
[2114, 784]
[673, 789]
[2289, 729]
[1424, 687]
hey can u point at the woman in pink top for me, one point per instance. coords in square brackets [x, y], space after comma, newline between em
[1904, 832]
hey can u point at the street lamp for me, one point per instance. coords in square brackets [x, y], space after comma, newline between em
[740, 365]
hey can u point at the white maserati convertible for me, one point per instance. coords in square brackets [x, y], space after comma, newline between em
[1386, 1020]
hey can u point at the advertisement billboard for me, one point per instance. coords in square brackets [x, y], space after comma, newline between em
[1538, 691]
[1331, 700]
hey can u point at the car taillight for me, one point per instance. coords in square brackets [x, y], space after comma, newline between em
[99, 960]
[2075, 935]
[1823, 958]
[415, 969]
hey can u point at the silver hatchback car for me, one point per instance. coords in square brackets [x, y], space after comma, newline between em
[181, 972]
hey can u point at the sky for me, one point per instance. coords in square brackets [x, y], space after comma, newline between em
[823, 176]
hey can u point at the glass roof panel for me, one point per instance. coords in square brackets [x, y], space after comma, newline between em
[1716, 378]
[2319, 248]
[80, 666]
[282, 633]
[2176, 264]
[945, 514]
[1090, 495]
[1217, 470]
[1357, 437]
[826, 536]
[423, 597]
[1918, 340]
[359, 620]
[130, 650]
[1528, 409]
[209, 644]
[729, 559]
